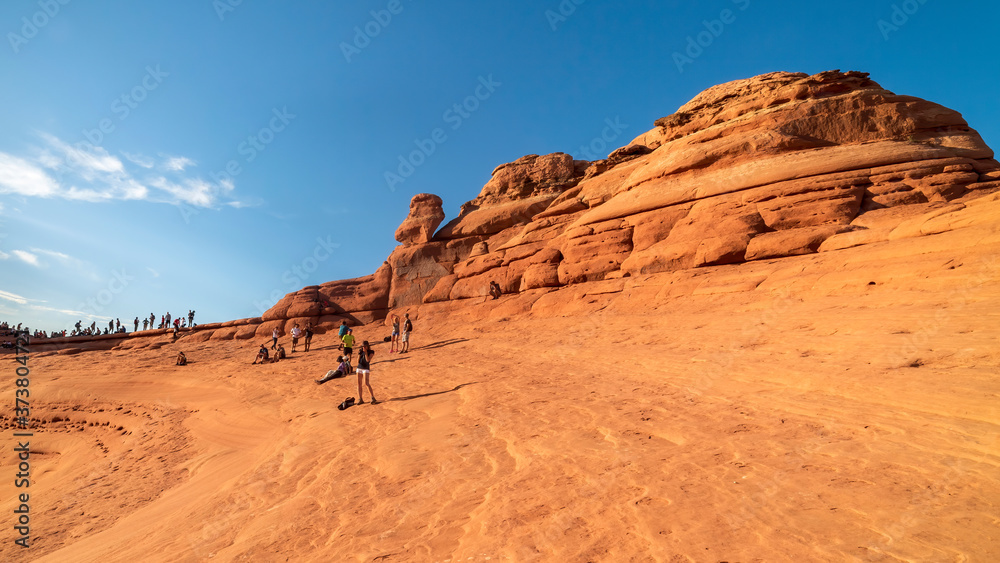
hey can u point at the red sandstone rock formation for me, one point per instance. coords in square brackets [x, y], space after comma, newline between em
[777, 165]
[425, 216]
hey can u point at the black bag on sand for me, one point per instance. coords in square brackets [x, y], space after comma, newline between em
[387, 339]
[348, 402]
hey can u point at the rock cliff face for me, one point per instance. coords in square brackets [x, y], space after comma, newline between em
[777, 165]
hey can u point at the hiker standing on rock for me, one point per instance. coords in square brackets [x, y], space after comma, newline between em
[364, 371]
[394, 339]
[296, 333]
[407, 329]
[309, 336]
[348, 341]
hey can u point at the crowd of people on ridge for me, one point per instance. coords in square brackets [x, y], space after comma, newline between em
[115, 326]
[10, 330]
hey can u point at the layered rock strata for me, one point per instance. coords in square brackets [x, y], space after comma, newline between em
[778, 165]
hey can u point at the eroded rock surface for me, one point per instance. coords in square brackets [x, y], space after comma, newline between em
[425, 216]
[773, 166]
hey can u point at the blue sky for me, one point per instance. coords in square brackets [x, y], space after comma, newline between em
[215, 155]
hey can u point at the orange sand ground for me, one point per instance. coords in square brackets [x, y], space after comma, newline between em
[784, 410]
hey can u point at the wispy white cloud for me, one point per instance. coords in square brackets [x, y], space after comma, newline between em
[114, 187]
[4, 255]
[86, 160]
[27, 257]
[154, 272]
[8, 296]
[250, 202]
[139, 159]
[54, 254]
[18, 176]
[83, 172]
[71, 313]
[22, 303]
[177, 163]
[191, 191]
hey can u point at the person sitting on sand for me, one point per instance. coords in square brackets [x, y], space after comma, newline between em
[279, 354]
[495, 290]
[181, 359]
[341, 371]
[262, 354]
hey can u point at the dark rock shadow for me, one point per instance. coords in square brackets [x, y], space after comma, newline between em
[456, 388]
[440, 344]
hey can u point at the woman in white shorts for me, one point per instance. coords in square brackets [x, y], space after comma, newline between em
[364, 371]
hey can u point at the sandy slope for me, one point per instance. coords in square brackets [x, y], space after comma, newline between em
[832, 407]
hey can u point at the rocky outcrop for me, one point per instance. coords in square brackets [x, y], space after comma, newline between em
[425, 216]
[755, 169]
[516, 192]
[358, 300]
[778, 165]
[416, 269]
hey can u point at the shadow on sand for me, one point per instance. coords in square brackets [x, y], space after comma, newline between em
[441, 344]
[457, 387]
